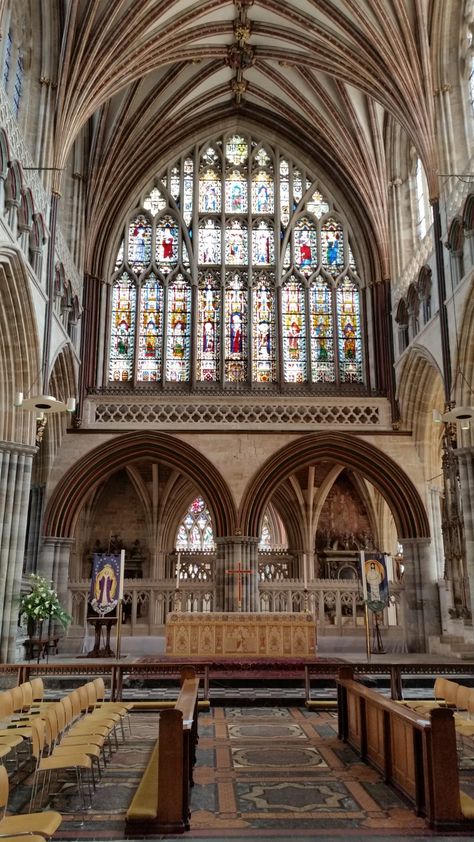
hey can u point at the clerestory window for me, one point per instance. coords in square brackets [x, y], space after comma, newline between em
[235, 269]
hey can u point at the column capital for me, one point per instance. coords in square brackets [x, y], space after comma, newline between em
[17, 447]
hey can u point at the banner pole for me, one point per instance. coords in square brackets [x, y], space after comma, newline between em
[367, 632]
[119, 606]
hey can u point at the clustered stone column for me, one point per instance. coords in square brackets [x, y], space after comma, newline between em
[16, 463]
[422, 614]
[465, 458]
[236, 553]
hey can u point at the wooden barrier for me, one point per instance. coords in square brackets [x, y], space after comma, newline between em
[414, 752]
[161, 802]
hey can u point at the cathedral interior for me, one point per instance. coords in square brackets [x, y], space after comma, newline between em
[237, 311]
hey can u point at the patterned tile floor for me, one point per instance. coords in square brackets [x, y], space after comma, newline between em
[276, 773]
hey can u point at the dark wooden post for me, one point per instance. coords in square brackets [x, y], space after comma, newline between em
[443, 804]
[170, 772]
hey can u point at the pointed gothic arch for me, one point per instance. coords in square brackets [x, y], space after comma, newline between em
[353, 452]
[68, 496]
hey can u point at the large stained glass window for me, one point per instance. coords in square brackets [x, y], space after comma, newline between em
[277, 296]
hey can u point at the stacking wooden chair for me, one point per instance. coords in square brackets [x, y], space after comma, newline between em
[44, 824]
[69, 737]
[56, 738]
[440, 690]
[122, 708]
[46, 764]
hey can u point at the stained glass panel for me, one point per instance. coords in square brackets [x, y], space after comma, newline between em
[124, 298]
[236, 193]
[150, 336]
[166, 243]
[236, 150]
[175, 186]
[235, 315]
[178, 330]
[332, 247]
[210, 192]
[262, 158]
[352, 263]
[154, 202]
[208, 329]
[188, 188]
[294, 332]
[306, 246]
[209, 241]
[236, 243]
[317, 205]
[322, 333]
[262, 193]
[139, 244]
[284, 192]
[263, 330]
[350, 334]
[263, 244]
[297, 186]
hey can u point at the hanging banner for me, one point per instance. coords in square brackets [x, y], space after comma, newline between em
[374, 580]
[105, 583]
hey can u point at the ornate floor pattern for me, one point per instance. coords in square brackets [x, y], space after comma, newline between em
[273, 773]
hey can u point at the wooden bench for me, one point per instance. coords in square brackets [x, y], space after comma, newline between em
[415, 752]
[161, 802]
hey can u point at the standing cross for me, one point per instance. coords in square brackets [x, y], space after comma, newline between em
[240, 572]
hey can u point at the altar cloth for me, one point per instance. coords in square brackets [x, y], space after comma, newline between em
[262, 635]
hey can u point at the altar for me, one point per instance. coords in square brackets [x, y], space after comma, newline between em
[259, 635]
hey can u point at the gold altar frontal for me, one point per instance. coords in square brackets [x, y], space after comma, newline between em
[232, 635]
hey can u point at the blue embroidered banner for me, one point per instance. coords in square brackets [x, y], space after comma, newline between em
[104, 591]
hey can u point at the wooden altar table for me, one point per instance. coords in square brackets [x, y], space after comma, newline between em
[261, 635]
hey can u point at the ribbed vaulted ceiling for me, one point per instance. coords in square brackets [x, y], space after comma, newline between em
[323, 74]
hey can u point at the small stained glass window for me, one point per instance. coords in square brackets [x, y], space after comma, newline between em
[195, 531]
[262, 193]
[236, 243]
[209, 241]
[210, 192]
[236, 192]
[263, 244]
[236, 150]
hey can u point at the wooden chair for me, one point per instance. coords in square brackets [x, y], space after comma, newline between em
[44, 824]
[47, 764]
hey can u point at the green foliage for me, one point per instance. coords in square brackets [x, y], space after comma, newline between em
[42, 603]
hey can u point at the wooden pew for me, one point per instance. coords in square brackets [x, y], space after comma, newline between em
[414, 752]
[161, 802]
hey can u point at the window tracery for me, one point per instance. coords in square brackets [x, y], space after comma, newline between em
[277, 291]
